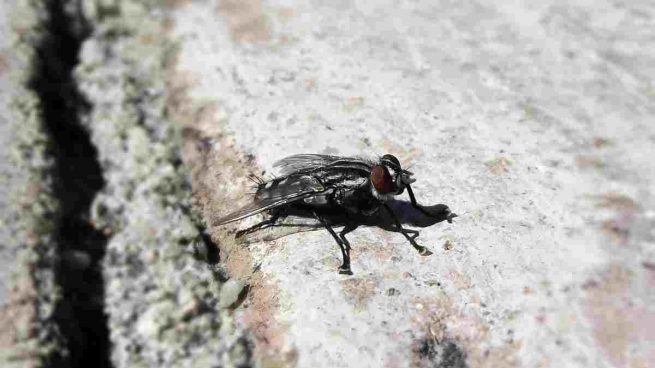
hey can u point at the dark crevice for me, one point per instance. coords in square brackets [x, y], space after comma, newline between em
[79, 314]
[213, 253]
[443, 354]
[241, 298]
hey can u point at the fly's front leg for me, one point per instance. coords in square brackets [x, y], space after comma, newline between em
[449, 216]
[412, 233]
[421, 249]
[414, 203]
[345, 249]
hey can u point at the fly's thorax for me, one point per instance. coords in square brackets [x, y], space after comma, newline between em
[318, 200]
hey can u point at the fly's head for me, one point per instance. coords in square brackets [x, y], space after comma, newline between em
[388, 179]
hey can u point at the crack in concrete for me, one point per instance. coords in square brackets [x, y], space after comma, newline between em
[80, 246]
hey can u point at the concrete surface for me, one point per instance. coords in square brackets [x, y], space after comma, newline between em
[27, 294]
[532, 121]
[7, 184]
[163, 304]
[163, 283]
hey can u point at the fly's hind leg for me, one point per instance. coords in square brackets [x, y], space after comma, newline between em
[344, 246]
[406, 233]
[266, 223]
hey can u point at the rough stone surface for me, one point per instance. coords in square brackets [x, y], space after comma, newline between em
[531, 121]
[163, 281]
[27, 293]
[163, 303]
[7, 183]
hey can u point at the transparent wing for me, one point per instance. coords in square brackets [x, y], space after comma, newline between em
[275, 193]
[308, 162]
[256, 207]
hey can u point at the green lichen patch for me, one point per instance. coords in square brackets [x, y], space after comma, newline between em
[163, 303]
[29, 334]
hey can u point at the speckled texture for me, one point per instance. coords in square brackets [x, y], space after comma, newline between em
[6, 169]
[5, 137]
[532, 121]
[163, 284]
[28, 293]
[163, 303]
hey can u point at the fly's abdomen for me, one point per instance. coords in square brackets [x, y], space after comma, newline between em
[289, 187]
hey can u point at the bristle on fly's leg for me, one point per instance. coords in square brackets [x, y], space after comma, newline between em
[256, 179]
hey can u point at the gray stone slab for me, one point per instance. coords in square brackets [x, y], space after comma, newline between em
[8, 175]
[531, 121]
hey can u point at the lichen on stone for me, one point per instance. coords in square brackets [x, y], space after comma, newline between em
[163, 304]
[29, 329]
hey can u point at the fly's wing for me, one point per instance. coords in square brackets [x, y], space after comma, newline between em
[310, 162]
[274, 193]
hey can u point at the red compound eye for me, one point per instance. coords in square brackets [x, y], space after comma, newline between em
[381, 179]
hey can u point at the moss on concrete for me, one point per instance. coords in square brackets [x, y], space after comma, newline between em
[29, 333]
[163, 303]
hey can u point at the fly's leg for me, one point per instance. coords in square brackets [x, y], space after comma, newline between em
[412, 233]
[345, 250]
[346, 229]
[449, 215]
[268, 222]
[406, 233]
[415, 204]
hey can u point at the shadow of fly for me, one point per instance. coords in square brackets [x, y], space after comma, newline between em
[340, 191]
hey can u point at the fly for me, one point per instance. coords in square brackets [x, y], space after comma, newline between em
[322, 186]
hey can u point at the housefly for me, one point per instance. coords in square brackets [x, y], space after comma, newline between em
[322, 186]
